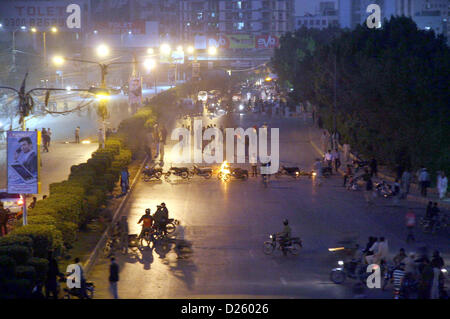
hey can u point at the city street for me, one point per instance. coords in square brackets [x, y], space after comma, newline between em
[227, 223]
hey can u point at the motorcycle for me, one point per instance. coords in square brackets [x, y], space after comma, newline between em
[290, 171]
[149, 173]
[183, 172]
[237, 173]
[327, 171]
[159, 233]
[76, 292]
[384, 189]
[293, 245]
[353, 269]
[206, 172]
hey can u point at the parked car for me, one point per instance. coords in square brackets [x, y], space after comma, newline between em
[13, 202]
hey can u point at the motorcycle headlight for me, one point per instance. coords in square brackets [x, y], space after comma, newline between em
[340, 263]
[444, 271]
[271, 236]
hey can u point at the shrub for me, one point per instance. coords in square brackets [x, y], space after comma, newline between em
[19, 253]
[40, 266]
[7, 267]
[68, 231]
[12, 239]
[26, 272]
[45, 238]
[40, 219]
[67, 187]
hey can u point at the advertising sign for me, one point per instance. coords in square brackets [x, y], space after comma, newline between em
[23, 162]
[136, 27]
[66, 15]
[135, 91]
[266, 42]
[241, 41]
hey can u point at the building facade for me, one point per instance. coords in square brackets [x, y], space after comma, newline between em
[326, 15]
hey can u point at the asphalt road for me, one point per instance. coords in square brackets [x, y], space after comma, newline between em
[227, 223]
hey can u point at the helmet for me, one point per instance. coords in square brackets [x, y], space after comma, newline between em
[147, 211]
[285, 222]
[163, 204]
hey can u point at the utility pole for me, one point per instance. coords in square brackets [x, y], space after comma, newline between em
[335, 93]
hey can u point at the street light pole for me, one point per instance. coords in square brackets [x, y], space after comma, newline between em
[335, 94]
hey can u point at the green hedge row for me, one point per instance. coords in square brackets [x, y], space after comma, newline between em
[53, 223]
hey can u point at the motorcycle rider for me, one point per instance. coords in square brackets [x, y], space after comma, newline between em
[285, 235]
[161, 217]
[147, 222]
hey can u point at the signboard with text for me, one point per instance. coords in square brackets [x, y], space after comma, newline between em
[266, 42]
[23, 162]
[66, 15]
[237, 41]
[136, 27]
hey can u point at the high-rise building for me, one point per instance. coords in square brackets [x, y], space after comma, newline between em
[325, 15]
[198, 18]
[257, 17]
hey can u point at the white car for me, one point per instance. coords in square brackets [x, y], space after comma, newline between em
[203, 96]
[13, 202]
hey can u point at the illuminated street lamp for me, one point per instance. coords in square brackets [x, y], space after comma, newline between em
[180, 48]
[102, 50]
[58, 60]
[190, 49]
[54, 29]
[165, 49]
[212, 50]
[149, 64]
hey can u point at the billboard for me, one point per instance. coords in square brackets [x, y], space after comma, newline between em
[23, 162]
[266, 42]
[237, 41]
[67, 15]
[136, 27]
[241, 41]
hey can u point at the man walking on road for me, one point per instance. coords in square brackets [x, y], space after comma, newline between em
[113, 277]
[442, 184]
[124, 180]
[424, 180]
[405, 183]
[336, 156]
[77, 135]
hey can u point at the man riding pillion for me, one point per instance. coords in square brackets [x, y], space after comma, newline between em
[285, 235]
[147, 222]
[161, 217]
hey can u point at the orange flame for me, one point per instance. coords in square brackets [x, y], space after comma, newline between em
[225, 170]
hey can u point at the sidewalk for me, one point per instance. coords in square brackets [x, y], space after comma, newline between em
[414, 195]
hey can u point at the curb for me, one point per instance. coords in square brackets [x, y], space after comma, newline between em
[383, 176]
[93, 256]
